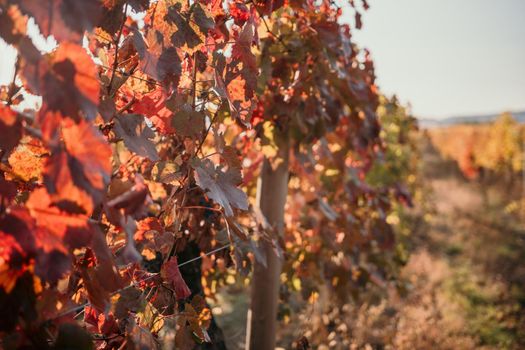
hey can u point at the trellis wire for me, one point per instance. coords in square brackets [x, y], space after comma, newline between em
[134, 284]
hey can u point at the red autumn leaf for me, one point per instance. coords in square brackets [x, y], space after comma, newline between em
[112, 16]
[139, 338]
[98, 295]
[106, 268]
[130, 300]
[240, 13]
[27, 161]
[221, 89]
[52, 265]
[188, 31]
[170, 273]
[73, 229]
[10, 129]
[18, 223]
[76, 174]
[202, 18]
[241, 74]
[60, 175]
[37, 244]
[183, 33]
[161, 63]
[146, 225]
[13, 28]
[129, 254]
[66, 20]
[13, 25]
[103, 322]
[153, 106]
[69, 83]
[10, 252]
[87, 145]
[152, 237]
[242, 48]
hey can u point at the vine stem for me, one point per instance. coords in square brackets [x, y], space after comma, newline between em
[11, 93]
[194, 90]
[278, 37]
[117, 41]
[199, 148]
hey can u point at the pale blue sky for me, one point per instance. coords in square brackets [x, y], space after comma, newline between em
[449, 57]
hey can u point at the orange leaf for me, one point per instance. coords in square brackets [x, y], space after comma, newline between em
[69, 83]
[73, 229]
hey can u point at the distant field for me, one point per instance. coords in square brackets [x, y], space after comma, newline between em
[519, 116]
[496, 147]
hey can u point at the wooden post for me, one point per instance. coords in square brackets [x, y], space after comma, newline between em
[272, 189]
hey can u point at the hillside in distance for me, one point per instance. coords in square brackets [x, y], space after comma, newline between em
[469, 119]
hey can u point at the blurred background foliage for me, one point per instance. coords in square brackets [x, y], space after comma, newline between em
[455, 278]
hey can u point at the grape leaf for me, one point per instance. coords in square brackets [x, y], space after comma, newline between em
[132, 201]
[70, 84]
[240, 13]
[170, 273]
[27, 162]
[188, 123]
[66, 20]
[221, 186]
[13, 27]
[36, 242]
[106, 269]
[129, 300]
[73, 229]
[77, 172]
[241, 75]
[159, 62]
[136, 134]
[10, 129]
[167, 172]
[153, 106]
[188, 31]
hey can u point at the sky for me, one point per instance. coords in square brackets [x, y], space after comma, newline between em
[8, 58]
[444, 57]
[448, 57]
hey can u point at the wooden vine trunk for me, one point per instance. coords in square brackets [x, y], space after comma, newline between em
[272, 188]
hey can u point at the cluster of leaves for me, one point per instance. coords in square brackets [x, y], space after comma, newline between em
[366, 271]
[496, 147]
[345, 241]
[115, 175]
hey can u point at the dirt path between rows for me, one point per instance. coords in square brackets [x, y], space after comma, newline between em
[466, 269]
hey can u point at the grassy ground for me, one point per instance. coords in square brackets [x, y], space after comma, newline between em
[465, 278]
[466, 269]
